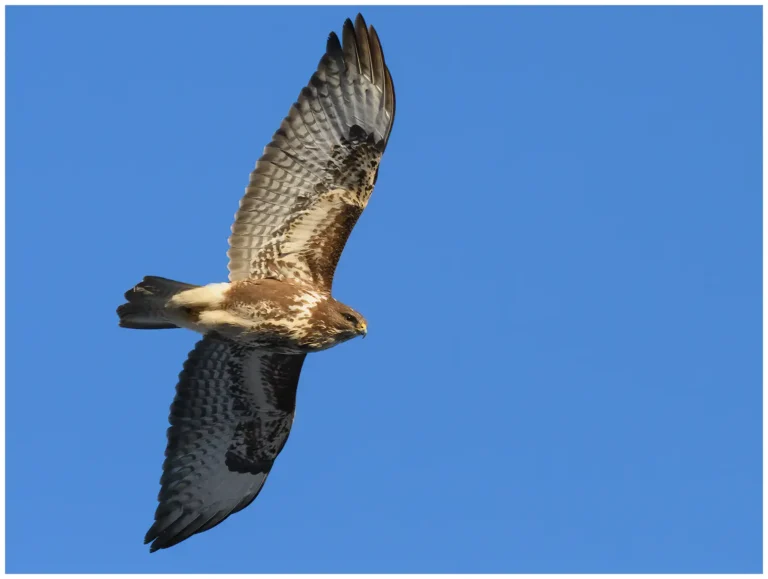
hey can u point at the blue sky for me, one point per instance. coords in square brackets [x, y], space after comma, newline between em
[560, 267]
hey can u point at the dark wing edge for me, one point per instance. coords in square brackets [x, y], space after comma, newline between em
[333, 137]
[231, 417]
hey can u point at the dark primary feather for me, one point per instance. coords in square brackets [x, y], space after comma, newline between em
[290, 224]
[230, 419]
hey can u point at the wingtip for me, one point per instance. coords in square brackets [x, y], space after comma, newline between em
[151, 534]
[153, 537]
[333, 45]
[348, 27]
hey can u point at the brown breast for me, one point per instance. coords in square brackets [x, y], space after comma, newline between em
[249, 291]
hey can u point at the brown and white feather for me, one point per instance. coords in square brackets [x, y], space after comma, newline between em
[315, 178]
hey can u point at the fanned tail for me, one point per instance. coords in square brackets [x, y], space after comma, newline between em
[145, 309]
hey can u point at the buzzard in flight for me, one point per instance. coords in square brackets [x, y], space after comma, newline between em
[235, 398]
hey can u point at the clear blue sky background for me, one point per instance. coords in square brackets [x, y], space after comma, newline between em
[560, 265]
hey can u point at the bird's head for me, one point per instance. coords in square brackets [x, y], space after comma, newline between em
[347, 322]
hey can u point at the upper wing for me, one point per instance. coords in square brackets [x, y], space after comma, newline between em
[315, 177]
[231, 417]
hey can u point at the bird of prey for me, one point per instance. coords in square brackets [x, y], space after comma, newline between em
[236, 395]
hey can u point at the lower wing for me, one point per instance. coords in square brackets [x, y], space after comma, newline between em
[230, 419]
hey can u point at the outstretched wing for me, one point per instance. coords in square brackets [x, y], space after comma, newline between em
[230, 419]
[316, 176]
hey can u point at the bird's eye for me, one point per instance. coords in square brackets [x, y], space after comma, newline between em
[350, 318]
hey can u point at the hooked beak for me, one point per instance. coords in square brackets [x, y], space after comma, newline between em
[363, 329]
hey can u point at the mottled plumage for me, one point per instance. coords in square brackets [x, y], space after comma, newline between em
[235, 398]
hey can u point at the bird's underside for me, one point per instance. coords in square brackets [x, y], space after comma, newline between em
[236, 395]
